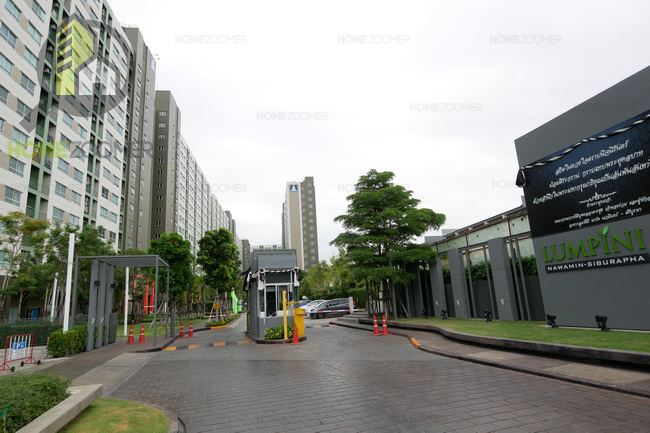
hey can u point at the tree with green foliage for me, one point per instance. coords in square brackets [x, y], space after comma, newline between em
[177, 252]
[33, 277]
[315, 281]
[88, 242]
[219, 258]
[120, 279]
[380, 226]
[17, 231]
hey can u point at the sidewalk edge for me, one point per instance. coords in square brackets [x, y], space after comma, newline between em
[489, 363]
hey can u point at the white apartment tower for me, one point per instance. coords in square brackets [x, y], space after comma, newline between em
[299, 222]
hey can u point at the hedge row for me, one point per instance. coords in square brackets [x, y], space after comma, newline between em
[221, 322]
[41, 331]
[30, 395]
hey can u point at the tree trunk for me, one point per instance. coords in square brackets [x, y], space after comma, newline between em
[368, 299]
[20, 302]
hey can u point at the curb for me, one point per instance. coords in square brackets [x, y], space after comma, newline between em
[489, 363]
[579, 352]
[260, 341]
[60, 415]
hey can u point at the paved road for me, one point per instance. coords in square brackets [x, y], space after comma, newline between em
[344, 380]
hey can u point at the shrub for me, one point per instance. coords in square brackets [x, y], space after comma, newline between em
[70, 343]
[30, 395]
[220, 322]
[41, 331]
[277, 333]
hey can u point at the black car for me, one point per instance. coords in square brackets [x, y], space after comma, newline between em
[331, 308]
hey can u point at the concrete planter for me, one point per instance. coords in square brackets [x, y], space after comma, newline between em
[60, 415]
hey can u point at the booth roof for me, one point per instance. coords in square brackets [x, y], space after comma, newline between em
[136, 261]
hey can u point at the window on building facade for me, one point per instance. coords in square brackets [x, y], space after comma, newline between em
[60, 189]
[31, 58]
[7, 35]
[63, 165]
[16, 166]
[78, 175]
[38, 10]
[13, 9]
[57, 214]
[12, 196]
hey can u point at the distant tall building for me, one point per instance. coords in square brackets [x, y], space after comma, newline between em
[245, 254]
[299, 223]
[183, 201]
[138, 157]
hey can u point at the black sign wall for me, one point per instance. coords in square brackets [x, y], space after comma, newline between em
[601, 179]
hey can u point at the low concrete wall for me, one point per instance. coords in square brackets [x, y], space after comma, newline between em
[620, 356]
[56, 418]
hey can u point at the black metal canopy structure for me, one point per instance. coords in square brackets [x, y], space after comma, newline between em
[100, 301]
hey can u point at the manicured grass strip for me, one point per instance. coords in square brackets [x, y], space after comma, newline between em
[110, 415]
[148, 332]
[536, 331]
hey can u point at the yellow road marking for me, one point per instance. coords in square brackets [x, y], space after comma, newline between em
[219, 327]
[194, 346]
[243, 342]
[221, 343]
[317, 326]
[331, 324]
[169, 349]
[415, 343]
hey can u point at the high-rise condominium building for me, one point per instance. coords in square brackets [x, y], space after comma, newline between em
[182, 197]
[138, 160]
[66, 114]
[299, 223]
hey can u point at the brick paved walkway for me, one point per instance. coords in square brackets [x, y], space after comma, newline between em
[343, 380]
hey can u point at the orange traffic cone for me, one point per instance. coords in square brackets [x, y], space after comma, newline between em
[182, 331]
[130, 340]
[374, 317]
[384, 327]
[142, 339]
[295, 339]
[191, 334]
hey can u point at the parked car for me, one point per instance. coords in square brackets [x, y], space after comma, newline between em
[313, 304]
[332, 308]
[303, 303]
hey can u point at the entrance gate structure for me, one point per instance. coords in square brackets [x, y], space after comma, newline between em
[271, 273]
[100, 301]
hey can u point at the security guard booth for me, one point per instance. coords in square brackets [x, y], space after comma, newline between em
[271, 273]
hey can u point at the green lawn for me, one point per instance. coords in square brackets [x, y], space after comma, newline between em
[538, 331]
[148, 329]
[110, 415]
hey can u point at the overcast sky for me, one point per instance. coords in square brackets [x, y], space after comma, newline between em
[359, 73]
